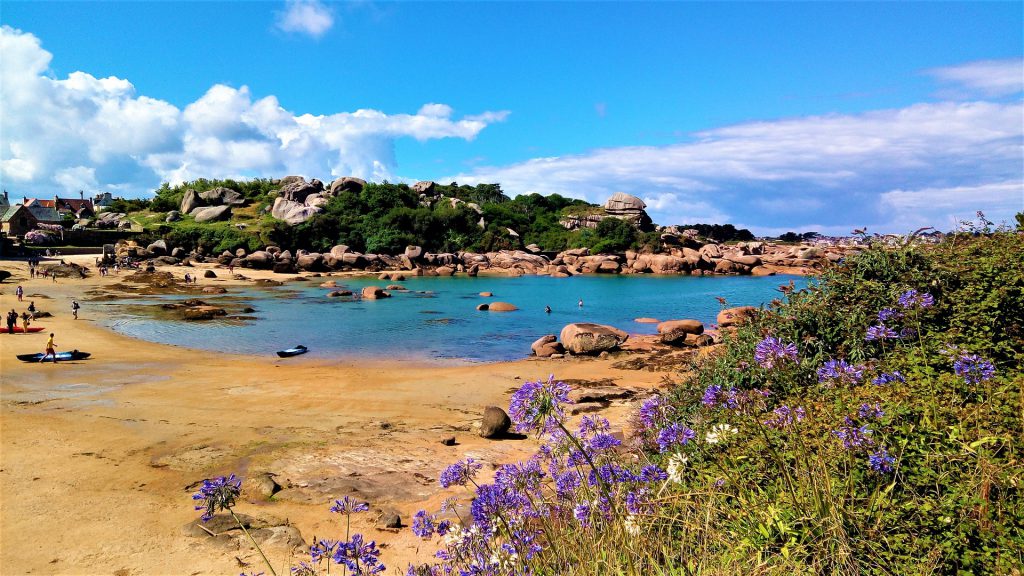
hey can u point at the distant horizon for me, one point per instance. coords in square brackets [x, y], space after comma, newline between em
[772, 117]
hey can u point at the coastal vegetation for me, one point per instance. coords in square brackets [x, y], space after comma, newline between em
[868, 424]
[386, 217]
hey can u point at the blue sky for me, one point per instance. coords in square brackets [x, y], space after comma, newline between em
[774, 116]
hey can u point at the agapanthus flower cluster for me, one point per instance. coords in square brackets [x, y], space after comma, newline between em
[714, 396]
[673, 436]
[217, 494]
[460, 473]
[870, 411]
[784, 417]
[886, 378]
[840, 372]
[880, 332]
[913, 299]
[973, 368]
[880, 461]
[423, 524]
[358, 556]
[772, 352]
[537, 406]
[887, 314]
[349, 505]
[853, 435]
[654, 412]
[322, 549]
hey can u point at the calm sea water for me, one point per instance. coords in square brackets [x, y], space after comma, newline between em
[437, 319]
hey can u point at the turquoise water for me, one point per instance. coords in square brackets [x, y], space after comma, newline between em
[437, 319]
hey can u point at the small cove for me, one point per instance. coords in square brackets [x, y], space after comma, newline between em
[436, 318]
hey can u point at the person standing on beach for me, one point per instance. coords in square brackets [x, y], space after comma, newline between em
[49, 350]
[19, 292]
[31, 309]
[26, 320]
[74, 308]
[12, 321]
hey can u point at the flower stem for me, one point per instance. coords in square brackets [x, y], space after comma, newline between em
[253, 540]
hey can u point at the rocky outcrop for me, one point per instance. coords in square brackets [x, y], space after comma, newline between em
[502, 307]
[587, 338]
[298, 191]
[190, 201]
[547, 345]
[292, 212]
[736, 316]
[347, 183]
[629, 208]
[374, 293]
[676, 331]
[211, 213]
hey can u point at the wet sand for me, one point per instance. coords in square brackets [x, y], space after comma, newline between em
[96, 455]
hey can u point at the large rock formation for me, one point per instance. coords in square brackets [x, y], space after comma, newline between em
[587, 338]
[293, 212]
[629, 208]
[211, 213]
[298, 191]
[344, 183]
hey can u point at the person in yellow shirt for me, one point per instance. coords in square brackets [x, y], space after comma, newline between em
[49, 350]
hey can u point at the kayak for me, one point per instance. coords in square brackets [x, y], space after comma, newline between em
[61, 356]
[300, 349]
[20, 330]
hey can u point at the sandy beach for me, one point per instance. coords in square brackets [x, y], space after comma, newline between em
[98, 456]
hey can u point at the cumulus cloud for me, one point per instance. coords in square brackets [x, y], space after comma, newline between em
[308, 17]
[991, 78]
[89, 133]
[915, 208]
[832, 168]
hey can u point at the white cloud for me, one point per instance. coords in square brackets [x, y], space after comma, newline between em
[76, 178]
[923, 207]
[84, 132]
[830, 168]
[988, 77]
[308, 17]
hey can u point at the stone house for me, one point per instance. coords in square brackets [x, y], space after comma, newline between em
[19, 218]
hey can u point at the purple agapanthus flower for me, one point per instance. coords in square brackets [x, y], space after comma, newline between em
[582, 513]
[714, 395]
[840, 372]
[852, 435]
[772, 352]
[914, 299]
[423, 524]
[322, 549]
[654, 411]
[880, 461]
[973, 368]
[460, 473]
[889, 378]
[359, 556]
[537, 406]
[674, 435]
[886, 314]
[784, 416]
[348, 505]
[217, 494]
[652, 473]
[880, 332]
[870, 411]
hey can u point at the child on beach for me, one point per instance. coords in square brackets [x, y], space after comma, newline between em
[74, 308]
[19, 292]
[49, 350]
[26, 320]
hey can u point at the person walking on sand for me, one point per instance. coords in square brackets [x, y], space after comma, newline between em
[74, 308]
[19, 292]
[32, 309]
[49, 350]
[26, 320]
